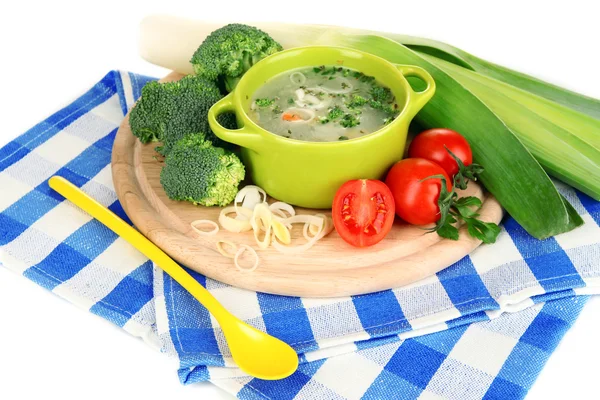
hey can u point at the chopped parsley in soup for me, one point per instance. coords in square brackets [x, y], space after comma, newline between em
[323, 104]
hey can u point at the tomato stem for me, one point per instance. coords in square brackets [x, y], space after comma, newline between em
[453, 208]
[464, 173]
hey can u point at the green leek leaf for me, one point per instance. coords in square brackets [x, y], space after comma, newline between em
[567, 98]
[295, 35]
[511, 173]
[545, 129]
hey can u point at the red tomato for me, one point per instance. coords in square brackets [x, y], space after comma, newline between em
[363, 211]
[430, 146]
[416, 199]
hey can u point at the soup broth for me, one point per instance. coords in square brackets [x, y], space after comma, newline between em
[323, 104]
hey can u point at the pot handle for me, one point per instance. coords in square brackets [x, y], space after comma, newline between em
[419, 98]
[243, 136]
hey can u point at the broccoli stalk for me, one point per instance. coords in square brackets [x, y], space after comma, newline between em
[196, 171]
[227, 53]
[166, 112]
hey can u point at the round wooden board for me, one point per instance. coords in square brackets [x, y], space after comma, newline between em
[331, 268]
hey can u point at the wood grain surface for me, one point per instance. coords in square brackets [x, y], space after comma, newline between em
[330, 268]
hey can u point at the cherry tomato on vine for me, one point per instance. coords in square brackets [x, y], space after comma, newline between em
[363, 212]
[416, 198]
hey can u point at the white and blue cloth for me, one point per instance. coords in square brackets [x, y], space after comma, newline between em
[482, 328]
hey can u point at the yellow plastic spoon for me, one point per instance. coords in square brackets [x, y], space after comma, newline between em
[257, 353]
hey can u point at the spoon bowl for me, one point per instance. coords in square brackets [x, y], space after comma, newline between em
[260, 355]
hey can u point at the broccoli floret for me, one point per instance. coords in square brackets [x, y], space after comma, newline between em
[386, 108]
[381, 94]
[227, 53]
[264, 102]
[168, 111]
[350, 121]
[357, 101]
[387, 120]
[198, 172]
[335, 113]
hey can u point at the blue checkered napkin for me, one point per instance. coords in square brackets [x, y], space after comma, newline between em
[61, 248]
[512, 275]
[52, 242]
[498, 359]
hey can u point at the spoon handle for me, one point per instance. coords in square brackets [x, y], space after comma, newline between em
[141, 243]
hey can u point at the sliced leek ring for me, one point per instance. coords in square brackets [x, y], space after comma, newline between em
[251, 211]
[195, 226]
[236, 259]
[224, 252]
[232, 224]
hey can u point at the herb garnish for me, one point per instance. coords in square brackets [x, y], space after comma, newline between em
[453, 208]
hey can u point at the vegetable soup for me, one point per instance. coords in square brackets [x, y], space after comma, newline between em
[323, 104]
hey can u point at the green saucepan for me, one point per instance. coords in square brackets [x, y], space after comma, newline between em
[308, 174]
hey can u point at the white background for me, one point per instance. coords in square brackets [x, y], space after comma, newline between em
[52, 51]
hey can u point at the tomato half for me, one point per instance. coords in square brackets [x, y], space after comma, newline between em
[363, 212]
[417, 199]
[431, 145]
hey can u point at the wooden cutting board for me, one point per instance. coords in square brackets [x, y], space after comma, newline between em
[330, 268]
